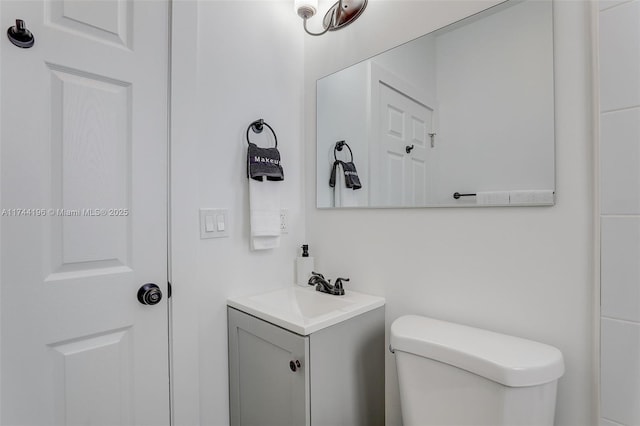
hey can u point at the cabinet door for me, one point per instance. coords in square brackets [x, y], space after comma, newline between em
[263, 388]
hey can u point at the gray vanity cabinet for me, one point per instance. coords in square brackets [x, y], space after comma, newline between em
[263, 388]
[331, 377]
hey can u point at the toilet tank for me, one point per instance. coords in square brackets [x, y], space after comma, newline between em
[451, 374]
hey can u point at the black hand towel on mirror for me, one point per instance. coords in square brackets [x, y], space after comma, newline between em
[351, 175]
[264, 162]
[351, 178]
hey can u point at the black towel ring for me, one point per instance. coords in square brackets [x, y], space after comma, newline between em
[339, 146]
[257, 127]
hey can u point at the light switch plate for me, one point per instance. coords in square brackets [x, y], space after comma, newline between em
[215, 228]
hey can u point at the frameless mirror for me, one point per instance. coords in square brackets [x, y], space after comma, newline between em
[463, 116]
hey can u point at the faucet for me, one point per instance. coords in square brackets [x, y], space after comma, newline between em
[324, 286]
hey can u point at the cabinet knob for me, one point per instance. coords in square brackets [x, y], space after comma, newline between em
[294, 365]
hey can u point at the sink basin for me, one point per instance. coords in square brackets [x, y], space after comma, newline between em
[304, 310]
[302, 302]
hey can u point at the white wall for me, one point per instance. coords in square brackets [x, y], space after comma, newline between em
[414, 62]
[619, 57]
[233, 62]
[1, 266]
[523, 271]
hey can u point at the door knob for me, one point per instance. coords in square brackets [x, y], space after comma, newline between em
[149, 294]
[408, 149]
[294, 365]
[20, 36]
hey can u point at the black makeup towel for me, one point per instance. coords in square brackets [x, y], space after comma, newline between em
[263, 162]
[351, 178]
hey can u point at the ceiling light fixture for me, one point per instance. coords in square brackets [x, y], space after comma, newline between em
[341, 14]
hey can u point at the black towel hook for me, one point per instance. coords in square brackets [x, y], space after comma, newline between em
[258, 126]
[339, 146]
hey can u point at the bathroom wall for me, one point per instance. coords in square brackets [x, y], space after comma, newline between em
[0, 289]
[233, 62]
[619, 58]
[523, 271]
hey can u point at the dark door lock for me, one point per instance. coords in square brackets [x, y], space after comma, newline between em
[20, 36]
[408, 149]
[149, 294]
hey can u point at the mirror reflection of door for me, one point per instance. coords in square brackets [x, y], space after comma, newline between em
[404, 177]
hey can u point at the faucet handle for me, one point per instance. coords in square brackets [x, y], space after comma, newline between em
[316, 278]
[339, 281]
[339, 288]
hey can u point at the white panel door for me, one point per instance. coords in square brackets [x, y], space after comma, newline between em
[84, 213]
[404, 125]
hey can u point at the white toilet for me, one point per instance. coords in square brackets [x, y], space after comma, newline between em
[451, 374]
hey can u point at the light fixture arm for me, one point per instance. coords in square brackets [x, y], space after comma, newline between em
[314, 34]
[329, 27]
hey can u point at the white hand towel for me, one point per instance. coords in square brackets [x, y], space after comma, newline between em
[343, 196]
[532, 197]
[492, 198]
[264, 214]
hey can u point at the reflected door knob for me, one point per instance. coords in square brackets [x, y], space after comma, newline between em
[294, 365]
[149, 294]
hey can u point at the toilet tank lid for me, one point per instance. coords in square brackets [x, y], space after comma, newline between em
[505, 359]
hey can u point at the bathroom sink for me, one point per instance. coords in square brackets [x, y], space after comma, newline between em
[302, 302]
[304, 310]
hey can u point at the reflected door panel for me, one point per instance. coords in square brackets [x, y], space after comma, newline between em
[404, 125]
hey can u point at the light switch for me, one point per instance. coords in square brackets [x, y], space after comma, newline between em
[208, 223]
[220, 221]
[213, 223]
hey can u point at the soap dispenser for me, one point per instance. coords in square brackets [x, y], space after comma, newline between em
[304, 267]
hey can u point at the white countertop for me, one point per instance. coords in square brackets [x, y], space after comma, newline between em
[303, 310]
